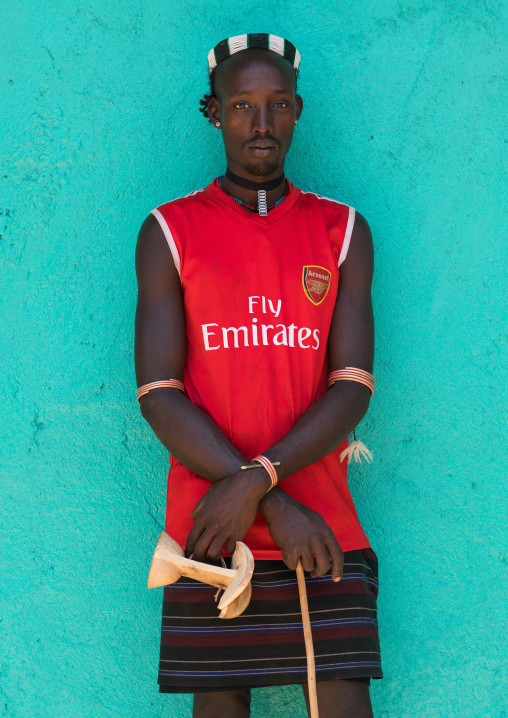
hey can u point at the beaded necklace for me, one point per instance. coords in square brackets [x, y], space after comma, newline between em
[251, 207]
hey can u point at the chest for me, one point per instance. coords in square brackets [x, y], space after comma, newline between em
[240, 270]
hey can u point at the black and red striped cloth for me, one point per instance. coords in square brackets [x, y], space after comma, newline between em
[264, 646]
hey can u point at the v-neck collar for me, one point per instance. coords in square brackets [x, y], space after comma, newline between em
[291, 198]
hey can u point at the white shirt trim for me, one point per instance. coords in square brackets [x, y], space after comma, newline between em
[349, 226]
[347, 236]
[169, 238]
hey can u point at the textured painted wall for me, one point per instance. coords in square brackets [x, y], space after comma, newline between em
[99, 124]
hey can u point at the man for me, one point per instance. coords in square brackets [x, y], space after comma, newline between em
[240, 299]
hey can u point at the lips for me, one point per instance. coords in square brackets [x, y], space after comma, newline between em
[261, 143]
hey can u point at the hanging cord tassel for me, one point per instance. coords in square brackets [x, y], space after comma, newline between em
[220, 587]
[262, 206]
[356, 450]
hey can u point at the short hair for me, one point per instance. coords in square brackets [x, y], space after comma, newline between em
[207, 97]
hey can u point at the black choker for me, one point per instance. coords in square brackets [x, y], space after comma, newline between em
[256, 186]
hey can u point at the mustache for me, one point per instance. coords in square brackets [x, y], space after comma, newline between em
[254, 140]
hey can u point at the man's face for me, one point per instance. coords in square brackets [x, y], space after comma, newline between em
[257, 109]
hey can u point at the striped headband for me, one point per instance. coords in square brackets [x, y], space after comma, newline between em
[260, 40]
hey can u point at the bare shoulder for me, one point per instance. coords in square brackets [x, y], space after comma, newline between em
[361, 226]
[155, 267]
[361, 238]
[351, 341]
[160, 322]
[151, 245]
[360, 256]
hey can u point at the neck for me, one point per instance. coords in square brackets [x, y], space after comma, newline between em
[254, 185]
[247, 189]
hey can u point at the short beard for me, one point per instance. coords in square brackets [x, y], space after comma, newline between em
[261, 169]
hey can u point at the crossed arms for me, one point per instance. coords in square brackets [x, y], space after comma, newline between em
[228, 509]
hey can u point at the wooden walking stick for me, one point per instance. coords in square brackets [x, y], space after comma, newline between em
[309, 648]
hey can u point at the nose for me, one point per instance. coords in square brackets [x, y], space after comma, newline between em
[262, 121]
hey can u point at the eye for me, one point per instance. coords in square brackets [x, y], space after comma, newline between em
[240, 105]
[282, 104]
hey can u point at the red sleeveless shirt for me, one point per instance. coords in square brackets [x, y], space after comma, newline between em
[259, 294]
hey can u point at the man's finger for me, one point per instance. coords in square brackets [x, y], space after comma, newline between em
[290, 558]
[193, 536]
[337, 558]
[201, 547]
[231, 546]
[322, 558]
[215, 548]
[197, 509]
[308, 562]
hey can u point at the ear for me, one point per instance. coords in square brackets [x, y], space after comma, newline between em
[299, 106]
[214, 111]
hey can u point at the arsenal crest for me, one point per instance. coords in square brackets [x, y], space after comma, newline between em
[316, 283]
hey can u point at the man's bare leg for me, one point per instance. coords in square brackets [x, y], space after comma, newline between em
[224, 704]
[342, 699]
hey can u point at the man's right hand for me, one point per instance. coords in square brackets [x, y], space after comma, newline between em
[301, 533]
[225, 513]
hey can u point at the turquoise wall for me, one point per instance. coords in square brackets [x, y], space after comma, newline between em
[99, 124]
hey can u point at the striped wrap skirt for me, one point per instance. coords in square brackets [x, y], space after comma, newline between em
[200, 652]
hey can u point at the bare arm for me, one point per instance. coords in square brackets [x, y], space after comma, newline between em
[186, 431]
[331, 418]
[296, 529]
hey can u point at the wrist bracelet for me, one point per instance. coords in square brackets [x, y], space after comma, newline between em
[167, 384]
[268, 465]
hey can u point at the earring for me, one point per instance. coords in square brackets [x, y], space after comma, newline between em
[296, 122]
[217, 124]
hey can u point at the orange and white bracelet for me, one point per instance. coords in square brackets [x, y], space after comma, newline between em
[268, 465]
[351, 373]
[166, 384]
